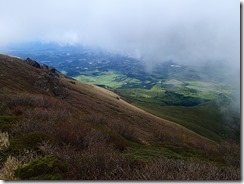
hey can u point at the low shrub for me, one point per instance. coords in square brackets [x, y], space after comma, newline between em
[124, 129]
[30, 141]
[46, 168]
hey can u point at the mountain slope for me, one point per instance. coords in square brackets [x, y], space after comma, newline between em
[87, 99]
[192, 96]
[50, 114]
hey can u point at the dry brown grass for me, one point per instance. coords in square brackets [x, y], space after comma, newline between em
[4, 140]
[230, 153]
[99, 160]
[169, 169]
[7, 171]
[12, 163]
[123, 128]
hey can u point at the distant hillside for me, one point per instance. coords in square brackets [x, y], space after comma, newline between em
[54, 127]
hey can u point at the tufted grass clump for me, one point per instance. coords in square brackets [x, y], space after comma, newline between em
[7, 171]
[4, 140]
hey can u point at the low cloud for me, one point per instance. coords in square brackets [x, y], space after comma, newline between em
[186, 31]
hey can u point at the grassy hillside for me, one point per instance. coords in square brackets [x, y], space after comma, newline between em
[195, 104]
[204, 99]
[54, 127]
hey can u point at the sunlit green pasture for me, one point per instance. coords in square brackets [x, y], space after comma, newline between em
[111, 79]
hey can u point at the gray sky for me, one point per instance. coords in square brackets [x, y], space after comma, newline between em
[187, 31]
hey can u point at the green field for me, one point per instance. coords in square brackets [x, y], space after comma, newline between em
[191, 103]
[110, 79]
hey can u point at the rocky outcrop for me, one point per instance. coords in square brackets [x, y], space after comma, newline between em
[33, 63]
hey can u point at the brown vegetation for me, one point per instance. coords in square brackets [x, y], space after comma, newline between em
[4, 140]
[88, 133]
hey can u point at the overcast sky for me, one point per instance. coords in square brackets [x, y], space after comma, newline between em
[195, 31]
